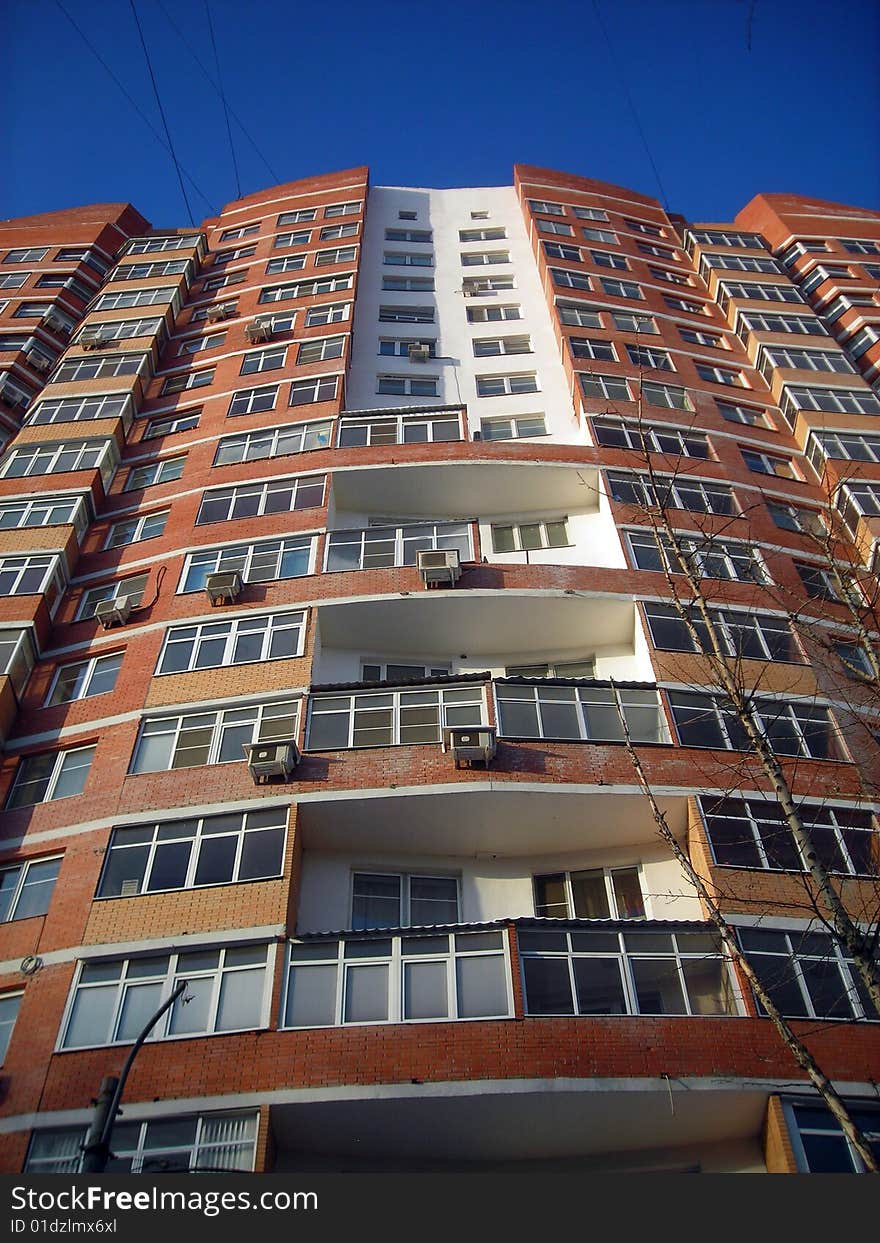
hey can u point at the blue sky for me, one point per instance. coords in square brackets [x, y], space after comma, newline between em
[443, 94]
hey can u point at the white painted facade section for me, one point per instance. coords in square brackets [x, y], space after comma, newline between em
[445, 213]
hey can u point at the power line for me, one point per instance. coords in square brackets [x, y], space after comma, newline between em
[182, 37]
[162, 113]
[223, 98]
[622, 83]
[132, 101]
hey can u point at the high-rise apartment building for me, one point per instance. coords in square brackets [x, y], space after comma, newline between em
[334, 575]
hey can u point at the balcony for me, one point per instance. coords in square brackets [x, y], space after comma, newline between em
[398, 427]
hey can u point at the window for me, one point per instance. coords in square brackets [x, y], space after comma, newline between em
[106, 366]
[502, 385]
[330, 313]
[342, 254]
[579, 713]
[132, 588]
[492, 314]
[318, 349]
[186, 380]
[187, 854]
[600, 235]
[120, 329]
[300, 238]
[408, 284]
[577, 315]
[570, 280]
[125, 298]
[222, 257]
[557, 227]
[596, 970]
[548, 209]
[399, 347]
[804, 325]
[290, 263]
[620, 289]
[195, 345]
[631, 321]
[243, 230]
[695, 337]
[805, 360]
[684, 304]
[263, 360]
[398, 429]
[605, 259]
[792, 728]
[407, 215]
[819, 583]
[197, 738]
[399, 385]
[482, 235]
[755, 291]
[55, 459]
[27, 254]
[476, 258]
[642, 356]
[406, 235]
[155, 473]
[133, 530]
[150, 245]
[710, 557]
[769, 464]
[380, 900]
[264, 562]
[673, 278]
[84, 679]
[738, 263]
[316, 388]
[404, 258]
[862, 341]
[60, 280]
[661, 252]
[591, 347]
[241, 641]
[528, 537]
[855, 660]
[846, 401]
[554, 669]
[824, 1149]
[225, 992]
[255, 500]
[373, 548]
[146, 271]
[30, 576]
[600, 893]
[589, 213]
[17, 651]
[639, 226]
[657, 394]
[396, 979]
[747, 636]
[163, 1145]
[617, 434]
[753, 833]
[553, 250]
[726, 237]
[221, 282]
[743, 414]
[273, 442]
[720, 375]
[156, 428]
[14, 280]
[488, 347]
[390, 718]
[806, 974]
[406, 315]
[513, 428]
[252, 400]
[302, 216]
[341, 209]
[46, 512]
[859, 246]
[9, 1004]
[306, 289]
[474, 286]
[607, 387]
[50, 775]
[398, 672]
[26, 888]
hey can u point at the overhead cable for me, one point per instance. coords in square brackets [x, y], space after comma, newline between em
[223, 99]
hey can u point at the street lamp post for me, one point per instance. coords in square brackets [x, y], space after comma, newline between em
[96, 1149]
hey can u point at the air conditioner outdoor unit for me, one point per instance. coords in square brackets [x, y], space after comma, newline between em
[223, 586]
[472, 745]
[477, 436]
[258, 330]
[39, 362]
[418, 353]
[274, 759]
[11, 396]
[440, 566]
[113, 612]
[53, 321]
[222, 311]
[92, 339]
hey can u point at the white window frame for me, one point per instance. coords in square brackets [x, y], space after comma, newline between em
[241, 557]
[150, 475]
[209, 633]
[61, 763]
[264, 723]
[138, 525]
[92, 668]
